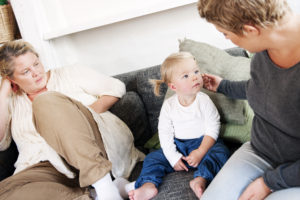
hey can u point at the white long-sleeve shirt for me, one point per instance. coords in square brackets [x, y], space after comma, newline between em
[85, 85]
[186, 122]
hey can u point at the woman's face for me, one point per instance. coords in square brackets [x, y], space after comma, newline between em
[29, 73]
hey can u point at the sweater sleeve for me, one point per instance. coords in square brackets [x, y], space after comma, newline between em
[212, 119]
[166, 136]
[233, 89]
[96, 83]
[284, 176]
[5, 142]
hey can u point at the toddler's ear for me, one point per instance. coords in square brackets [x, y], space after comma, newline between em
[172, 86]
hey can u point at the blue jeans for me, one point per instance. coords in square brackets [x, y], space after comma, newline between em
[156, 165]
[243, 167]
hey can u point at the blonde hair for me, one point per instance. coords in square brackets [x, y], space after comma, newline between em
[167, 69]
[232, 15]
[11, 50]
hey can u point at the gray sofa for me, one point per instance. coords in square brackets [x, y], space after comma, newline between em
[139, 109]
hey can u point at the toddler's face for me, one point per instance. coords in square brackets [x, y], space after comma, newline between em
[186, 79]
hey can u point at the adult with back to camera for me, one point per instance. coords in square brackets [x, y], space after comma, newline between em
[267, 167]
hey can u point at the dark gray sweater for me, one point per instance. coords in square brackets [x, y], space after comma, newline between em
[274, 95]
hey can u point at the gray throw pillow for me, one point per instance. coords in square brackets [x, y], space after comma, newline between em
[216, 61]
[152, 102]
[131, 110]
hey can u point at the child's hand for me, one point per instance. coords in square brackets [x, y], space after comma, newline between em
[194, 158]
[180, 166]
[211, 82]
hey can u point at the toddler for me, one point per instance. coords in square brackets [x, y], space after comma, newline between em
[188, 131]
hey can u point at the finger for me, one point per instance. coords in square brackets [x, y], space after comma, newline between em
[210, 76]
[184, 167]
[188, 159]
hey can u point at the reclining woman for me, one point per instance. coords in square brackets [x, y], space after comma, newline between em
[268, 166]
[66, 138]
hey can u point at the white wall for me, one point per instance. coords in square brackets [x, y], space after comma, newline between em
[130, 44]
[295, 5]
[141, 42]
[113, 37]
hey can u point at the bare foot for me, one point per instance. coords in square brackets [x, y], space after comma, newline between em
[198, 185]
[146, 192]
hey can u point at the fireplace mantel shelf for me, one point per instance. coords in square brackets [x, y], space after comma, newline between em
[138, 11]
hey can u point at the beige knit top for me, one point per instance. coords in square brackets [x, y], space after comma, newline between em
[84, 85]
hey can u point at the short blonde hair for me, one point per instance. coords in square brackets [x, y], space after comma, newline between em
[168, 67]
[232, 15]
[11, 50]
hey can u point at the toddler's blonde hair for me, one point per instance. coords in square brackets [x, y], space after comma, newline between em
[167, 69]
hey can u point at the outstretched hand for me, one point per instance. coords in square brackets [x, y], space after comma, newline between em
[180, 166]
[257, 190]
[211, 82]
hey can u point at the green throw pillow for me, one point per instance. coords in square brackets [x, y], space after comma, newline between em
[238, 133]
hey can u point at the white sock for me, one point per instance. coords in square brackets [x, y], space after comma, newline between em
[121, 182]
[130, 186]
[106, 189]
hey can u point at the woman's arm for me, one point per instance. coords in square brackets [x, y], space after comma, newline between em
[5, 91]
[104, 103]
[108, 89]
[283, 176]
[97, 84]
[232, 89]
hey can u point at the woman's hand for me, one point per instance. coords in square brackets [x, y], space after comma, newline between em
[103, 103]
[257, 190]
[5, 87]
[211, 82]
[180, 166]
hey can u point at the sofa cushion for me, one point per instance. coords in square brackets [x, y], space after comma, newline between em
[131, 110]
[213, 60]
[176, 186]
[7, 159]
